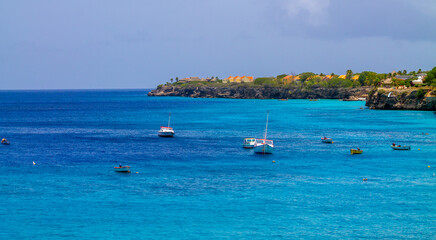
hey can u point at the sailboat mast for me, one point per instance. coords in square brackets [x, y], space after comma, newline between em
[266, 129]
[169, 119]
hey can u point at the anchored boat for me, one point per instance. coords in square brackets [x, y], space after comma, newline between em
[326, 140]
[356, 151]
[120, 168]
[264, 146]
[5, 142]
[166, 131]
[399, 147]
[249, 143]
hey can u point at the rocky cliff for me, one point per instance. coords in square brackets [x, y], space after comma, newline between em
[415, 99]
[251, 92]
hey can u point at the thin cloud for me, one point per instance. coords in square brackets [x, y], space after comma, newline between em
[313, 11]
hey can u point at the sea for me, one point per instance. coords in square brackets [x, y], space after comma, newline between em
[57, 178]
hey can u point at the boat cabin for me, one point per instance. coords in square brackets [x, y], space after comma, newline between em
[264, 141]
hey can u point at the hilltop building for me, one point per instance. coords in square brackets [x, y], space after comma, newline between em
[403, 77]
[238, 79]
[291, 78]
[197, 79]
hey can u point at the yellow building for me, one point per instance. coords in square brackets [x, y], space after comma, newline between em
[238, 79]
[342, 76]
[290, 78]
[355, 77]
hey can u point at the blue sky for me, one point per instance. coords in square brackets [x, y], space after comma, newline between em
[86, 44]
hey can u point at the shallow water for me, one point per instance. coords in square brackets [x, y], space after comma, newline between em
[202, 184]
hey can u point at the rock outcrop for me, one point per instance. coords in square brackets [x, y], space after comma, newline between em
[402, 100]
[250, 92]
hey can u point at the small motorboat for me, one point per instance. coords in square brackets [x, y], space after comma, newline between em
[166, 131]
[399, 147]
[326, 140]
[356, 151]
[249, 143]
[121, 168]
[5, 142]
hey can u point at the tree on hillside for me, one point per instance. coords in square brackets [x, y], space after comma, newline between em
[419, 70]
[172, 80]
[349, 74]
[430, 80]
[404, 71]
[377, 82]
[304, 76]
[366, 78]
[281, 76]
[177, 79]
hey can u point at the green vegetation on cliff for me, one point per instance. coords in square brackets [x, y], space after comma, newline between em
[430, 80]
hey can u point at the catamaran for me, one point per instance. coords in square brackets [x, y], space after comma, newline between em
[264, 146]
[166, 131]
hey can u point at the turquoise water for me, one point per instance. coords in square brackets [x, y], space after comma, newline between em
[202, 184]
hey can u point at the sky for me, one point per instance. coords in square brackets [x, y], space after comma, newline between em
[83, 44]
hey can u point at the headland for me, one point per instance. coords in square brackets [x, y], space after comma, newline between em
[396, 90]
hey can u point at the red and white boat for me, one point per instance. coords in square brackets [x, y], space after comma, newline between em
[166, 131]
[326, 140]
[122, 169]
[264, 146]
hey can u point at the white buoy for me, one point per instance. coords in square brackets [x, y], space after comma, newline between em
[34, 163]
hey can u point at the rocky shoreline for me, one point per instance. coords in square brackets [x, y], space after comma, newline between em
[416, 99]
[249, 92]
[388, 99]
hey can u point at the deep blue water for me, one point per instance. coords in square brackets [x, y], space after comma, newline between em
[202, 184]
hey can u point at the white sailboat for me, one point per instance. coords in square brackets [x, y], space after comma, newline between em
[166, 131]
[264, 146]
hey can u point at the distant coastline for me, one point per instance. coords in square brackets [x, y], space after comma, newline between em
[240, 91]
[396, 90]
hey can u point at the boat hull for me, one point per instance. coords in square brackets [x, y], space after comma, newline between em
[263, 149]
[401, 148]
[166, 134]
[122, 169]
[248, 146]
[355, 151]
[328, 140]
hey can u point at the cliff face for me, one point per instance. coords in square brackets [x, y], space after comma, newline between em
[401, 100]
[243, 92]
